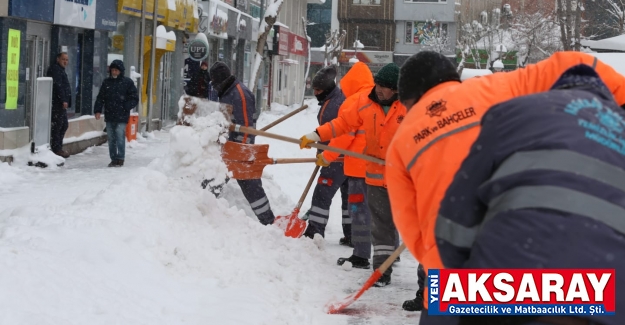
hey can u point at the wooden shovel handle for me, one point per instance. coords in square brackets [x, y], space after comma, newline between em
[310, 181]
[276, 161]
[293, 160]
[276, 122]
[245, 129]
[391, 259]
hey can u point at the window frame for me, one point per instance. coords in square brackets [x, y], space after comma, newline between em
[433, 2]
[359, 3]
[443, 27]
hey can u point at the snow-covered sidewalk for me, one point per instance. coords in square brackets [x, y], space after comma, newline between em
[87, 244]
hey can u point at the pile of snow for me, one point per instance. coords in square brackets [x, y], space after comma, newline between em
[195, 150]
[22, 156]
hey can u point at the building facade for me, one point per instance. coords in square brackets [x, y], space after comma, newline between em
[424, 25]
[33, 33]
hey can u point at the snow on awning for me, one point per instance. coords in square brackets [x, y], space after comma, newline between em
[289, 62]
[171, 5]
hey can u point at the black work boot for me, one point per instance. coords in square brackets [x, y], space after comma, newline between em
[415, 304]
[113, 163]
[383, 281]
[120, 162]
[346, 241]
[357, 262]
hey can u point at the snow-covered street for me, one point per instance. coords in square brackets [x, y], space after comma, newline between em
[87, 244]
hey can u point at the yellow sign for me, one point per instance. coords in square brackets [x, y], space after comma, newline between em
[133, 8]
[13, 69]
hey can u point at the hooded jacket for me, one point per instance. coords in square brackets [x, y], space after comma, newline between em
[439, 130]
[546, 186]
[329, 109]
[117, 96]
[61, 90]
[357, 81]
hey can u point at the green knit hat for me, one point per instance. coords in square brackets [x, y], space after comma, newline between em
[387, 76]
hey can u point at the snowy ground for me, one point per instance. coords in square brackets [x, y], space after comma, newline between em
[87, 244]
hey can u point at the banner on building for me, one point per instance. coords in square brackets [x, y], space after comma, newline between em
[13, 68]
[298, 45]
[217, 21]
[77, 13]
[133, 8]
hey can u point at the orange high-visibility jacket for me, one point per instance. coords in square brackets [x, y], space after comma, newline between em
[357, 80]
[379, 131]
[439, 130]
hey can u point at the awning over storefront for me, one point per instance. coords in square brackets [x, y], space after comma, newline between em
[179, 14]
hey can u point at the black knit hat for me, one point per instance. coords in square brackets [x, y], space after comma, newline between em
[324, 79]
[387, 76]
[219, 72]
[423, 71]
[580, 75]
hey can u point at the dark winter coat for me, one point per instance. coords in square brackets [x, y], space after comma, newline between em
[329, 107]
[542, 187]
[117, 96]
[61, 90]
[199, 85]
[241, 114]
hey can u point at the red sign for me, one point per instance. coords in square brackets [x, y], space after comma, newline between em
[283, 40]
[298, 45]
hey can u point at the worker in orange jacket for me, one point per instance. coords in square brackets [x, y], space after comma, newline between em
[379, 113]
[441, 126]
[357, 81]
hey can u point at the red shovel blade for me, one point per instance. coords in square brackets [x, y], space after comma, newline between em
[338, 306]
[292, 225]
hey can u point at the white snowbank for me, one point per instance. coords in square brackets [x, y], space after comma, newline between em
[22, 156]
[470, 73]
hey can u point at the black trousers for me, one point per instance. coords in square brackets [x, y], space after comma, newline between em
[58, 129]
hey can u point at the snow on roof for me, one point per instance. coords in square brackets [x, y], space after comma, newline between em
[470, 73]
[615, 60]
[616, 43]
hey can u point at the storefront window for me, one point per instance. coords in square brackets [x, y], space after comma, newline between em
[116, 43]
[101, 41]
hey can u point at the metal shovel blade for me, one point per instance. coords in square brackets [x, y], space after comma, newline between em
[292, 225]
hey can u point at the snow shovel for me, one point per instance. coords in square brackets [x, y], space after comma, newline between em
[337, 306]
[293, 226]
[247, 161]
[245, 129]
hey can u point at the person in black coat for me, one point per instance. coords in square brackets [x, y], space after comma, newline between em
[331, 178]
[61, 101]
[231, 91]
[118, 95]
[199, 85]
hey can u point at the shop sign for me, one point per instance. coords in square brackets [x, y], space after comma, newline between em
[13, 69]
[106, 15]
[198, 50]
[298, 45]
[77, 13]
[282, 38]
[217, 21]
[40, 10]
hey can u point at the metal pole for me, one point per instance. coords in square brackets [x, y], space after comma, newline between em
[141, 52]
[150, 91]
